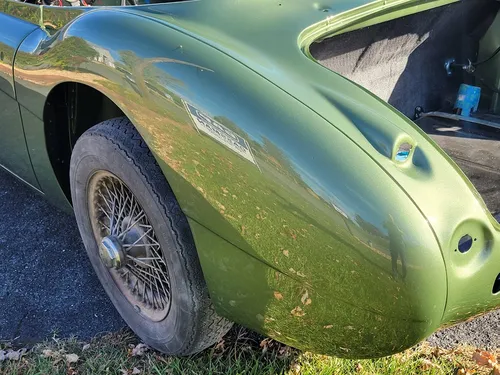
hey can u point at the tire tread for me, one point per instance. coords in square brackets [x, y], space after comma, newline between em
[209, 327]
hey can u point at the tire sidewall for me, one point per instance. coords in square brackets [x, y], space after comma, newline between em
[94, 153]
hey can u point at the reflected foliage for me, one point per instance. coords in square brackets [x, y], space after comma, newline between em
[28, 12]
[66, 55]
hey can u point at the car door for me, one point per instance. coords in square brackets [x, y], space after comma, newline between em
[13, 150]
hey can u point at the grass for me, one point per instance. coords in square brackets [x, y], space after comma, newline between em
[241, 352]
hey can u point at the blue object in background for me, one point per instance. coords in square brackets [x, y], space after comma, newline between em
[402, 155]
[468, 99]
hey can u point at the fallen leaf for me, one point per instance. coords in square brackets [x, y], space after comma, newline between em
[425, 365]
[359, 367]
[328, 326]
[436, 352]
[71, 358]
[484, 358]
[285, 351]
[308, 301]
[135, 371]
[139, 350]
[304, 297]
[47, 353]
[264, 344]
[278, 296]
[15, 355]
[286, 253]
[220, 346]
[86, 347]
[297, 312]
[295, 367]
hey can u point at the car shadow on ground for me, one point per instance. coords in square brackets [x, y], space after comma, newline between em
[47, 284]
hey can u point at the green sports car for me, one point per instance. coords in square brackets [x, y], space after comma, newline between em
[323, 172]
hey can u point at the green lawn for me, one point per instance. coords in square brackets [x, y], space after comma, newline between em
[241, 352]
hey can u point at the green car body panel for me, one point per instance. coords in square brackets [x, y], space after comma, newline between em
[288, 176]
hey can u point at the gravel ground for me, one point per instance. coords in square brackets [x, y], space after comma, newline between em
[482, 332]
[48, 286]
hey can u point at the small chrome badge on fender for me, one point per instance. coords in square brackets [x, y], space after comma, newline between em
[205, 124]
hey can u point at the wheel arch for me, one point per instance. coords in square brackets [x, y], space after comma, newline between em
[70, 109]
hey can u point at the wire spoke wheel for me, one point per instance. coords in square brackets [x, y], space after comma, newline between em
[139, 241]
[128, 246]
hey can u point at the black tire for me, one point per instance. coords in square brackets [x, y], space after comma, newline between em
[191, 324]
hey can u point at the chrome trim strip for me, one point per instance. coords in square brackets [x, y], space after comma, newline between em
[23, 180]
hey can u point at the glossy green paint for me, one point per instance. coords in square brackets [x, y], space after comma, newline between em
[325, 242]
[13, 153]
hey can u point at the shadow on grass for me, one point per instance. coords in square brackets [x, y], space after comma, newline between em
[244, 351]
[239, 352]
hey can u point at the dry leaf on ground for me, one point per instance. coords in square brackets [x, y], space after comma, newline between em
[264, 344]
[425, 365]
[71, 358]
[297, 312]
[484, 358]
[295, 367]
[47, 353]
[12, 355]
[304, 297]
[139, 350]
[278, 296]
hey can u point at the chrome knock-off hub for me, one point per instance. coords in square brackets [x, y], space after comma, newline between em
[111, 252]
